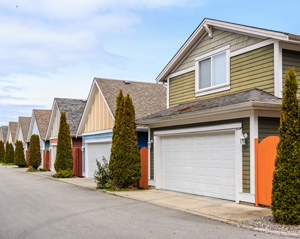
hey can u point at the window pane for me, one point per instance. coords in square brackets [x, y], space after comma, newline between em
[205, 74]
[219, 69]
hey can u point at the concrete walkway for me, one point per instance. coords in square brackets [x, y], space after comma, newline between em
[217, 209]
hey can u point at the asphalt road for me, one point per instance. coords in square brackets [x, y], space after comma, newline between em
[35, 207]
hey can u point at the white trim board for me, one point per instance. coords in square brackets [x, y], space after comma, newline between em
[95, 141]
[97, 132]
[199, 129]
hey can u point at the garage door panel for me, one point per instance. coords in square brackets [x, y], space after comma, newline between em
[200, 164]
[95, 152]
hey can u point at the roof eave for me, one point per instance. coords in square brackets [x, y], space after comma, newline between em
[227, 109]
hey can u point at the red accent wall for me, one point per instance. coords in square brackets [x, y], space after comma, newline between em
[53, 141]
[77, 142]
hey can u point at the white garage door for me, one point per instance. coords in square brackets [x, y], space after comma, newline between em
[96, 151]
[200, 164]
[53, 157]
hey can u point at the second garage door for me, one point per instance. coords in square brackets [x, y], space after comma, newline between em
[96, 151]
[202, 164]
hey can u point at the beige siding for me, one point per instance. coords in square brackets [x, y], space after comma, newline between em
[220, 39]
[99, 117]
[246, 148]
[54, 131]
[254, 69]
[291, 59]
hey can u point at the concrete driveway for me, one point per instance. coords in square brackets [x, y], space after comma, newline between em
[37, 207]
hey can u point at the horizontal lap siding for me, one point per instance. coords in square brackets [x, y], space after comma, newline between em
[291, 59]
[246, 148]
[254, 69]
[268, 127]
[220, 39]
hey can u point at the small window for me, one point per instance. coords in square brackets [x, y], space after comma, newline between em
[212, 73]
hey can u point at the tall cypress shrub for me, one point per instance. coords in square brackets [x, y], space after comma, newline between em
[35, 158]
[126, 165]
[286, 176]
[19, 158]
[64, 156]
[115, 146]
[9, 153]
[2, 152]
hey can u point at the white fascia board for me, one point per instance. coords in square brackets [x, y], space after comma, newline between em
[210, 112]
[87, 108]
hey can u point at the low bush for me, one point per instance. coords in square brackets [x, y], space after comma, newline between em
[102, 175]
[30, 170]
[64, 174]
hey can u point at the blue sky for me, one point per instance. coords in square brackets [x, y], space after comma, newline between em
[55, 48]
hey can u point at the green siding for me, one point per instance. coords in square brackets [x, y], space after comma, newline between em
[267, 127]
[246, 148]
[291, 59]
[220, 39]
[254, 69]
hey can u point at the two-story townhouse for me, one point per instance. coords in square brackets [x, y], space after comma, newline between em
[73, 109]
[39, 125]
[22, 131]
[98, 117]
[224, 90]
[11, 132]
[3, 133]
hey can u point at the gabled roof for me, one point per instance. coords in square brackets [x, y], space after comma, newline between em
[206, 26]
[147, 98]
[3, 133]
[210, 105]
[73, 108]
[42, 118]
[12, 129]
[23, 125]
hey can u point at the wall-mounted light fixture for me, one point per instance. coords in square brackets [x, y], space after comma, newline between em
[150, 143]
[243, 139]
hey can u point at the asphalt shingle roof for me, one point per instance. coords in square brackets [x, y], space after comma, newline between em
[74, 109]
[24, 124]
[237, 98]
[42, 118]
[147, 98]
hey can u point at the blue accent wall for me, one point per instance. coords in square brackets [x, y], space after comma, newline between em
[91, 137]
[142, 139]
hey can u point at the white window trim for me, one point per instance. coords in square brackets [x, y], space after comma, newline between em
[217, 88]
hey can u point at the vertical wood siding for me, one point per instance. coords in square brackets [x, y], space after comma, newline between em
[99, 117]
[267, 127]
[246, 148]
[220, 39]
[254, 69]
[291, 59]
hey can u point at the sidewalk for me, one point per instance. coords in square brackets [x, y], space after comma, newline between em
[217, 209]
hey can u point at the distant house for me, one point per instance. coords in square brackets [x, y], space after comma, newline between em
[98, 118]
[38, 125]
[73, 109]
[22, 131]
[11, 132]
[224, 90]
[3, 133]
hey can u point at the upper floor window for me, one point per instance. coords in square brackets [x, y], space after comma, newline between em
[212, 72]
